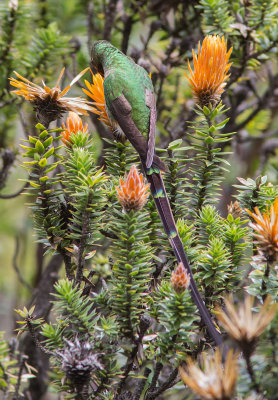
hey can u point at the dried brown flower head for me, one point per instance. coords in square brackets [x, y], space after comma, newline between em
[79, 361]
[235, 209]
[73, 125]
[216, 381]
[13, 4]
[49, 103]
[180, 279]
[242, 324]
[96, 92]
[210, 70]
[133, 193]
[266, 228]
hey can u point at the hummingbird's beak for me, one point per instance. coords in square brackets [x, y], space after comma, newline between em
[95, 70]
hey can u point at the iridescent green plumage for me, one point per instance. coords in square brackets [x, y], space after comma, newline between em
[122, 75]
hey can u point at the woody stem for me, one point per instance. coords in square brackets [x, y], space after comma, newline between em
[251, 371]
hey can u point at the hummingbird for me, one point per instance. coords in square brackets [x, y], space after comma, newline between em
[131, 107]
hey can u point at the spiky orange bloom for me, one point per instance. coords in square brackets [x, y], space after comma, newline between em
[51, 103]
[133, 193]
[180, 279]
[216, 381]
[73, 125]
[96, 92]
[210, 70]
[267, 230]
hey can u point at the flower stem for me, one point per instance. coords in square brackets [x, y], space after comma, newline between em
[251, 372]
[265, 277]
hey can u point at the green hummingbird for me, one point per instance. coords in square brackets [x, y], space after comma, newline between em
[131, 108]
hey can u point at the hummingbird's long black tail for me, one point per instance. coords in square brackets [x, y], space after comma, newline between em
[162, 204]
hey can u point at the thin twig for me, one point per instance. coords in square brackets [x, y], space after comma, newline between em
[19, 376]
[13, 195]
[90, 26]
[67, 261]
[158, 369]
[110, 12]
[82, 243]
[129, 364]
[141, 384]
[166, 385]
[128, 22]
[15, 266]
[7, 102]
[35, 337]
[251, 372]
[8, 158]
[265, 277]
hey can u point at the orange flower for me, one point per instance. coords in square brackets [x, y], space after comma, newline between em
[267, 230]
[180, 279]
[50, 103]
[96, 92]
[133, 193]
[210, 70]
[215, 381]
[74, 125]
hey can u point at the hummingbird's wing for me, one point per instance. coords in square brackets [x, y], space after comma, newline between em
[121, 111]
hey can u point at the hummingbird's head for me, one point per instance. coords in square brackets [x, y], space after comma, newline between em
[100, 51]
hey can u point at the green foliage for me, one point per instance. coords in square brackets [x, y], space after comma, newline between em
[258, 193]
[176, 181]
[8, 366]
[214, 269]
[47, 46]
[42, 183]
[176, 313]
[263, 13]
[263, 279]
[85, 196]
[132, 266]
[216, 16]
[66, 218]
[10, 375]
[209, 223]
[119, 157]
[74, 310]
[207, 167]
[235, 231]
[188, 237]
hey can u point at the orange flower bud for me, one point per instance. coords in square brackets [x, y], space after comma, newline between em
[133, 193]
[180, 279]
[74, 125]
